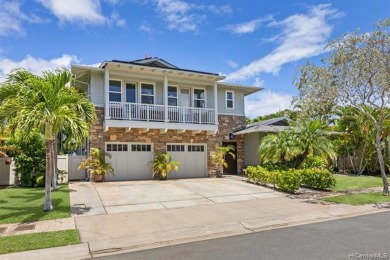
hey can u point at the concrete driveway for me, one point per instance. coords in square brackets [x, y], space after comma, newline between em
[129, 196]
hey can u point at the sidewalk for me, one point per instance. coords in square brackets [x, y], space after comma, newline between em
[108, 234]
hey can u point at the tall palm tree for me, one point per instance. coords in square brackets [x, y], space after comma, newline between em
[45, 104]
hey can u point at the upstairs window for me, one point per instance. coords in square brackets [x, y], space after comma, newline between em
[172, 96]
[147, 93]
[230, 99]
[199, 98]
[115, 91]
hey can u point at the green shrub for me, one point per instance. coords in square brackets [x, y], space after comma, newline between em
[30, 158]
[276, 166]
[318, 178]
[315, 162]
[40, 181]
[289, 180]
[251, 172]
[261, 175]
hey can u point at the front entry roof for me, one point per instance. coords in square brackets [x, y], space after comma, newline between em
[273, 125]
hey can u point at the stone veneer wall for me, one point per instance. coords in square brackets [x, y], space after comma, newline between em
[227, 125]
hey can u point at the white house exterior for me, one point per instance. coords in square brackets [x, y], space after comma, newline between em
[149, 105]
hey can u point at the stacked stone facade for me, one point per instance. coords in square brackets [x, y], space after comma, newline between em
[227, 124]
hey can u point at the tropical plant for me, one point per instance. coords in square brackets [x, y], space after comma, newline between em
[96, 164]
[310, 139]
[296, 144]
[218, 157]
[163, 164]
[29, 157]
[276, 148]
[356, 73]
[45, 104]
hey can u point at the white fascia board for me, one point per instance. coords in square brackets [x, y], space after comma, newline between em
[83, 67]
[158, 125]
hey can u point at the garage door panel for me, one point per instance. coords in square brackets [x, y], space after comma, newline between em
[131, 162]
[192, 158]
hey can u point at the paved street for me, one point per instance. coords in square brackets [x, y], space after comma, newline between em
[349, 238]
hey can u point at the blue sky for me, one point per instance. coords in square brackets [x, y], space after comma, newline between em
[253, 42]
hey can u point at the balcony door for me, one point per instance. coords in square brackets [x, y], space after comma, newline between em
[185, 98]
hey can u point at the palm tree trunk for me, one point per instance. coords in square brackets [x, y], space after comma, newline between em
[381, 163]
[54, 162]
[49, 145]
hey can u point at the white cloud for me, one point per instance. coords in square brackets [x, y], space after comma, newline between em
[177, 15]
[12, 18]
[266, 102]
[82, 11]
[36, 65]
[247, 27]
[232, 64]
[145, 27]
[223, 9]
[303, 36]
[184, 16]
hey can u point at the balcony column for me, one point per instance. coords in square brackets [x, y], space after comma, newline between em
[106, 93]
[166, 98]
[215, 88]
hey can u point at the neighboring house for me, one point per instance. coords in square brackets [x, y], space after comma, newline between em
[148, 106]
[254, 133]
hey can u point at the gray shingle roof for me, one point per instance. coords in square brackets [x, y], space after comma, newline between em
[273, 125]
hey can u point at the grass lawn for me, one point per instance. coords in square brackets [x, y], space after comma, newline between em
[350, 182]
[359, 199]
[18, 243]
[26, 204]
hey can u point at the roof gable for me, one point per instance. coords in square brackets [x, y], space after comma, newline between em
[154, 62]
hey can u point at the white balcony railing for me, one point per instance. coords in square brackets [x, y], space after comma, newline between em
[156, 113]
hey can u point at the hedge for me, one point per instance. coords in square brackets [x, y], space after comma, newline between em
[290, 180]
[318, 179]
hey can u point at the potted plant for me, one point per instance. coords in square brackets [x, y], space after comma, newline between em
[96, 165]
[163, 164]
[218, 158]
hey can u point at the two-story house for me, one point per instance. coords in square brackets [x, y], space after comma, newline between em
[148, 106]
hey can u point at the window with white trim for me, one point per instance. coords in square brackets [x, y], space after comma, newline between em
[230, 99]
[115, 91]
[172, 96]
[199, 98]
[147, 93]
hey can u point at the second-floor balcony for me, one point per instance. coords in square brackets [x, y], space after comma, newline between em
[161, 113]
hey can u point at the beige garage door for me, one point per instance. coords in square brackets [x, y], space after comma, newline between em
[130, 160]
[193, 159]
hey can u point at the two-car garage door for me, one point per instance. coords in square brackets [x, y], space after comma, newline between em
[131, 161]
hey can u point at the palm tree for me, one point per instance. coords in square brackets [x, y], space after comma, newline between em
[310, 139]
[29, 102]
[296, 144]
[276, 148]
